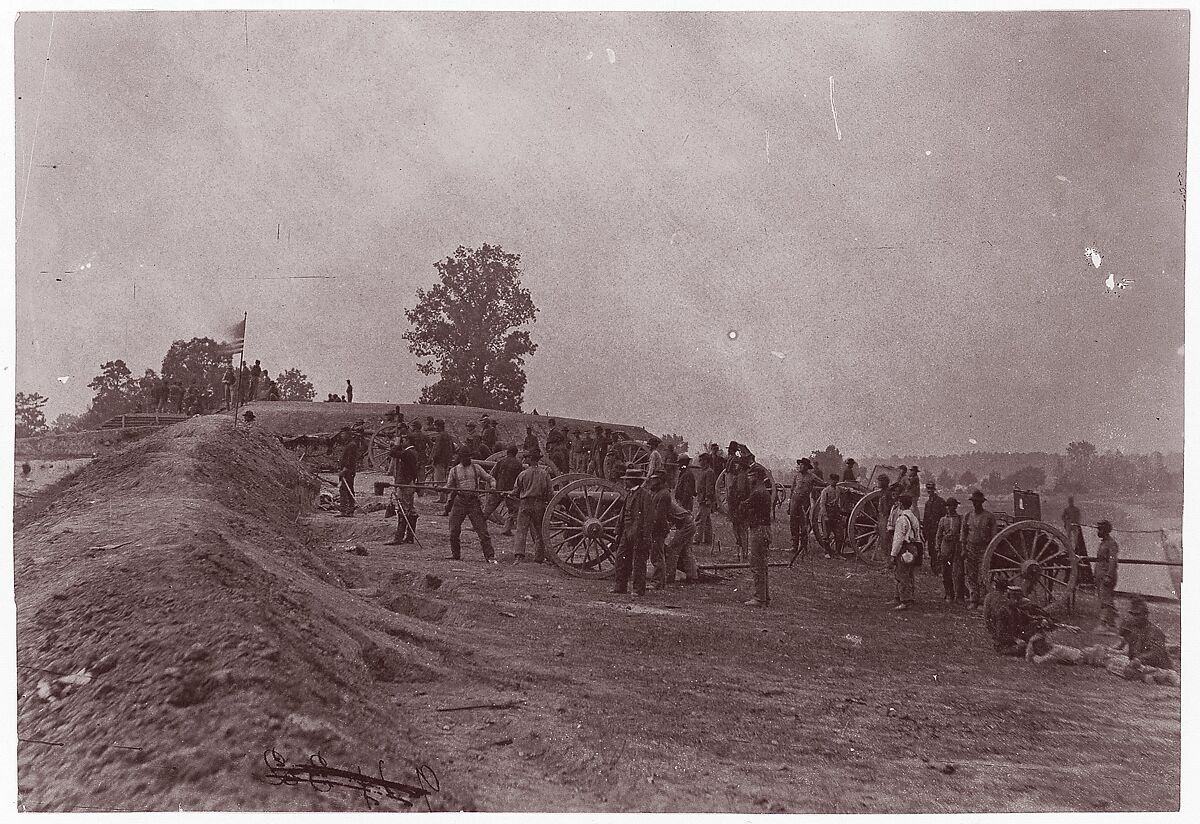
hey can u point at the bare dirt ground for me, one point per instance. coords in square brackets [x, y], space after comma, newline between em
[238, 620]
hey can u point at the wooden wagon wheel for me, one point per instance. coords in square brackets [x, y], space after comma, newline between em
[379, 446]
[634, 454]
[559, 481]
[1035, 555]
[862, 532]
[581, 527]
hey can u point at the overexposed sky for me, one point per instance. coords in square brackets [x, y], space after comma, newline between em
[916, 283]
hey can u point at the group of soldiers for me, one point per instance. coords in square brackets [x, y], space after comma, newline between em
[668, 508]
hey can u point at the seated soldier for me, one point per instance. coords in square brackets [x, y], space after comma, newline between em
[1016, 622]
[1146, 646]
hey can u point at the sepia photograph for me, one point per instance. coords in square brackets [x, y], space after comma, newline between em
[682, 411]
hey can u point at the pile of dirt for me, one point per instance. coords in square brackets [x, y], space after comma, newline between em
[295, 418]
[174, 624]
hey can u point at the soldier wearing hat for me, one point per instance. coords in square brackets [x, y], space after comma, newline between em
[635, 534]
[532, 490]
[1105, 573]
[800, 504]
[467, 480]
[935, 508]
[755, 513]
[947, 540]
[978, 527]
[1016, 621]
[657, 456]
[738, 488]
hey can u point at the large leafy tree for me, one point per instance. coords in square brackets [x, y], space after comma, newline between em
[294, 385]
[65, 422]
[199, 359]
[116, 394]
[466, 329]
[30, 419]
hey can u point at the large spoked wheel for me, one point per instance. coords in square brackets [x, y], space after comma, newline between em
[1035, 555]
[862, 533]
[559, 481]
[634, 454]
[379, 446]
[581, 527]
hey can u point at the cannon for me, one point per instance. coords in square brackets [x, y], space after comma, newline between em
[582, 527]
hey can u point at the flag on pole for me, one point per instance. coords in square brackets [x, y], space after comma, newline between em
[235, 339]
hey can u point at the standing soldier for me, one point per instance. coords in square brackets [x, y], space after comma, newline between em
[947, 538]
[1106, 575]
[349, 392]
[738, 486]
[706, 497]
[755, 512]
[599, 450]
[1070, 519]
[467, 480]
[978, 527]
[404, 474]
[532, 490]
[914, 486]
[555, 440]
[506, 471]
[488, 436]
[830, 507]
[347, 468]
[530, 444]
[421, 445]
[255, 379]
[657, 461]
[244, 385]
[800, 505]
[935, 508]
[685, 487]
[227, 383]
[906, 542]
[614, 467]
[660, 525]
[635, 535]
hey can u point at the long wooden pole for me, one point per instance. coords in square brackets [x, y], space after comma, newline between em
[241, 362]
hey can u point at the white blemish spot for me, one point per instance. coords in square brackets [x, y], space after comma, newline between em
[780, 355]
[928, 154]
[1112, 284]
[1061, 178]
[733, 334]
[63, 379]
[1093, 256]
[972, 441]
[590, 55]
[1182, 348]
[833, 110]
[612, 55]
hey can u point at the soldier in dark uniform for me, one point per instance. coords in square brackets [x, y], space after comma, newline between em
[404, 471]
[685, 486]
[635, 535]
[347, 468]
[1106, 575]
[935, 508]
[660, 524]
[1145, 643]
[755, 512]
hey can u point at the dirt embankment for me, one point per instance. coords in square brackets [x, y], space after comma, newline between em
[87, 444]
[173, 623]
[293, 418]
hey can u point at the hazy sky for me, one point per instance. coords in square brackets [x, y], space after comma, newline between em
[916, 284]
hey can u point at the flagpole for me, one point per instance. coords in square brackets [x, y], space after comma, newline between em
[241, 363]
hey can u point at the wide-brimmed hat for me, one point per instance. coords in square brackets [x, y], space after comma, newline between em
[684, 458]
[633, 474]
[951, 503]
[1107, 524]
[931, 485]
[976, 495]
